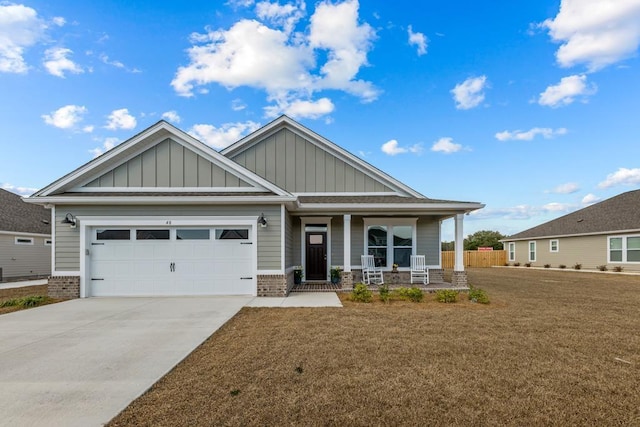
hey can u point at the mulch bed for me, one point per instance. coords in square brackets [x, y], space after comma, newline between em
[552, 348]
[6, 294]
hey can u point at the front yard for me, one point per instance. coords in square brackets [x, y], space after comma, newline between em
[552, 348]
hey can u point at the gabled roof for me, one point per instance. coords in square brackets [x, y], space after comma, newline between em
[620, 213]
[337, 151]
[18, 216]
[84, 177]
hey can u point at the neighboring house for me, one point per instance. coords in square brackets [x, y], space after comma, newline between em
[606, 233]
[164, 214]
[25, 238]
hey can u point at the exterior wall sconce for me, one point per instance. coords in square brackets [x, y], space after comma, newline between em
[262, 221]
[69, 219]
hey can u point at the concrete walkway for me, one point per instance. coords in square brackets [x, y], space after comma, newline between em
[23, 283]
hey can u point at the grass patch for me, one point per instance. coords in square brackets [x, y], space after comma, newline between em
[14, 299]
[546, 351]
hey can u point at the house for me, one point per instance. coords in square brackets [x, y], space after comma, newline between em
[606, 233]
[164, 214]
[25, 238]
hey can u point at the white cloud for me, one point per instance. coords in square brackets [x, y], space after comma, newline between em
[107, 145]
[568, 188]
[529, 135]
[281, 62]
[595, 32]
[238, 105]
[88, 129]
[622, 176]
[419, 40]
[115, 63]
[470, 93]
[301, 109]
[56, 62]
[21, 191]
[392, 148]
[59, 21]
[590, 199]
[223, 136]
[557, 207]
[523, 212]
[65, 117]
[565, 92]
[171, 116]
[20, 28]
[121, 119]
[446, 145]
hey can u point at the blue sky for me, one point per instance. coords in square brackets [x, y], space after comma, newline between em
[530, 107]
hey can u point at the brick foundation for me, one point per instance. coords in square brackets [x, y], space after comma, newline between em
[459, 279]
[346, 279]
[275, 285]
[436, 275]
[64, 287]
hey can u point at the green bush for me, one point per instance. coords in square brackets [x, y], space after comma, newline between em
[617, 268]
[25, 302]
[361, 293]
[412, 294]
[478, 295]
[447, 295]
[602, 267]
[384, 292]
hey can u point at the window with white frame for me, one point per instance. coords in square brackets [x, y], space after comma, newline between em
[23, 240]
[390, 241]
[624, 249]
[554, 246]
[532, 251]
[512, 251]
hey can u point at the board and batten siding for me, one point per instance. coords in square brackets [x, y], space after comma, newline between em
[295, 164]
[24, 260]
[168, 164]
[67, 256]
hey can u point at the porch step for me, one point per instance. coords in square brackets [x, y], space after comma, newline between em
[316, 287]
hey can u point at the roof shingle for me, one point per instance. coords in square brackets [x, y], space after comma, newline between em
[18, 216]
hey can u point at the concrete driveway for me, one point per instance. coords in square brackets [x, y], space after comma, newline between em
[80, 362]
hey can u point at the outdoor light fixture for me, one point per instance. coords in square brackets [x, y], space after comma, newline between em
[262, 221]
[69, 219]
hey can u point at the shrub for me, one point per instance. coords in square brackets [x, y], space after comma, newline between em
[547, 266]
[478, 295]
[361, 293]
[617, 268]
[528, 264]
[447, 295]
[602, 267]
[562, 266]
[26, 302]
[412, 294]
[384, 292]
[516, 264]
[577, 266]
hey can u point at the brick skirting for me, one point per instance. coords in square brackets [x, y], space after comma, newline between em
[275, 285]
[436, 275]
[459, 279]
[64, 287]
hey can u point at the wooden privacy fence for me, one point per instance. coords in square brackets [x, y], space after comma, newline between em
[475, 258]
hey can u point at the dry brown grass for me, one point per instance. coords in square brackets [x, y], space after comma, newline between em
[542, 353]
[7, 294]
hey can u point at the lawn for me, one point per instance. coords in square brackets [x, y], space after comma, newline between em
[552, 348]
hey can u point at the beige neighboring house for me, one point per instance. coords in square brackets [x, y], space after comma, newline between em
[25, 238]
[606, 233]
[164, 214]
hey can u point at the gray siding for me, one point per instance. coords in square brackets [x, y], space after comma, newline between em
[296, 231]
[24, 260]
[67, 257]
[357, 239]
[295, 164]
[428, 244]
[337, 240]
[288, 241]
[168, 164]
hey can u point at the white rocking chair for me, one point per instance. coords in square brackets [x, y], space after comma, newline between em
[371, 273]
[419, 271]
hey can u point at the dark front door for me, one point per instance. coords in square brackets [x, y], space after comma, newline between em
[316, 255]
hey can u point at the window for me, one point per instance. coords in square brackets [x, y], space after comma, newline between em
[113, 234]
[47, 242]
[554, 246]
[192, 234]
[512, 251]
[532, 251]
[152, 234]
[232, 234]
[390, 241]
[624, 249]
[24, 241]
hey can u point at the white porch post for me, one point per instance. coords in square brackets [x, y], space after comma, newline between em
[459, 245]
[347, 243]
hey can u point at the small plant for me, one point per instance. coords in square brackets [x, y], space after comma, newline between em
[298, 274]
[617, 268]
[299, 369]
[412, 294]
[602, 267]
[447, 295]
[234, 392]
[335, 274]
[478, 295]
[384, 292]
[516, 264]
[528, 264]
[562, 266]
[26, 302]
[577, 266]
[361, 293]
[547, 266]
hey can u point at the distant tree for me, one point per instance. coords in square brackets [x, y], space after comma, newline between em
[484, 238]
[448, 246]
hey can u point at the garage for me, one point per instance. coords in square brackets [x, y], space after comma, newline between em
[169, 261]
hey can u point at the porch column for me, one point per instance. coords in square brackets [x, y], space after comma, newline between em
[347, 243]
[459, 276]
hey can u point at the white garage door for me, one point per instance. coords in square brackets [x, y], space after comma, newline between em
[142, 261]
